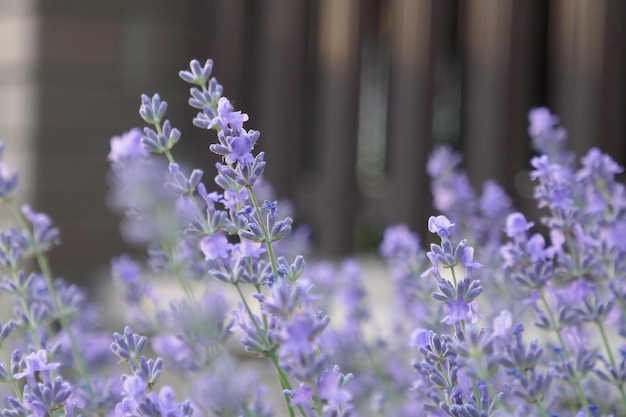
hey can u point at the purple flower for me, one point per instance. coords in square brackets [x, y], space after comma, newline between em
[152, 109]
[39, 220]
[493, 200]
[301, 396]
[286, 298]
[37, 362]
[453, 194]
[8, 178]
[460, 310]
[599, 165]
[442, 160]
[125, 269]
[616, 236]
[537, 248]
[228, 119]
[298, 336]
[560, 198]
[164, 402]
[241, 148]
[129, 345]
[127, 407]
[541, 121]
[573, 294]
[543, 168]
[440, 225]
[465, 383]
[209, 198]
[467, 259]
[224, 391]
[233, 199]
[43, 398]
[502, 323]
[399, 242]
[175, 350]
[248, 249]
[193, 331]
[182, 183]
[516, 224]
[215, 246]
[594, 411]
[44, 234]
[127, 147]
[252, 340]
[419, 337]
[577, 339]
[133, 386]
[198, 74]
[336, 397]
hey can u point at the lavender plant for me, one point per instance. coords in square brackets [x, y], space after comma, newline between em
[500, 317]
[228, 236]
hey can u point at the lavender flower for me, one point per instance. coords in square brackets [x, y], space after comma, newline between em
[8, 179]
[44, 235]
[127, 147]
[478, 217]
[128, 346]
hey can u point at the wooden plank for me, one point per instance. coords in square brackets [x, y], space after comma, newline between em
[488, 28]
[577, 58]
[503, 80]
[338, 68]
[226, 45]
[612, 120]
[278, 76]
[410, 113]
[587, 72]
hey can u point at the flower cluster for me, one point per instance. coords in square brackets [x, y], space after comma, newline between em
[233, 322]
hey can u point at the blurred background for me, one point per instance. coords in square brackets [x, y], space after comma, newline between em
[350, 98]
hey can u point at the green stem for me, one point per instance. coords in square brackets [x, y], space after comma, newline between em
[169, 156]
[282, 377]
[44, 267]
[176, 270]
[252, 316]
[13, 381]
[26, 310]
[541, 409]
[607, 346]
[272, 257]
[453, 276]
[81, 367]
[578, 272]
[576, 379]
[169, 247]
[284, 382]
[268, 242]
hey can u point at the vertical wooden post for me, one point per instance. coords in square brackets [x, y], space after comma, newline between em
[227, 45]
[488, 49]
[278, 73]
[410, 111]
[576, 60]
[584, 50]
[612, 121]
[335, 195]
[502, 77]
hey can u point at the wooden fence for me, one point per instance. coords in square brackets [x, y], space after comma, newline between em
[350, 96]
